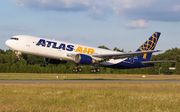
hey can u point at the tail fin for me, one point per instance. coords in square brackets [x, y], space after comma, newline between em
[149, 45]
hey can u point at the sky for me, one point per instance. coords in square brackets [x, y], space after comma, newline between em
[125, 24]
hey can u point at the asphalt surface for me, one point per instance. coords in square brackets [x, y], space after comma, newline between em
[85, 81]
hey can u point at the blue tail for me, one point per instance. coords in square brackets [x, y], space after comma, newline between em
[149, 45]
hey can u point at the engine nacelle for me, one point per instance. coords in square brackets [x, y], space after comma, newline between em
[84, 59]
[54, 61]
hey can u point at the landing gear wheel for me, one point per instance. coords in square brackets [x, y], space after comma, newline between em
[18, 53]
[74, 70]
[97, 70]
[18, 59]
[79, 69]
[93, 71]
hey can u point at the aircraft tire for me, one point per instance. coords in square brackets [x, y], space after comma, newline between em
[97, 70]
[93, 71]
[74, 70]
[79, 69]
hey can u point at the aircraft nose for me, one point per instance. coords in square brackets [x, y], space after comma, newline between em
[7, 43]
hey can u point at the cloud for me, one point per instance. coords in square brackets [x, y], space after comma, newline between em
[100, 10]
[137, 24]
[176, 7]
[95, 9]
[159, 10]
[121, 5]
[58, 5]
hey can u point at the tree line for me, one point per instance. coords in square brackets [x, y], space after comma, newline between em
[35, 64]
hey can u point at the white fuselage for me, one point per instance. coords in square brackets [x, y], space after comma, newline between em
[55, 49]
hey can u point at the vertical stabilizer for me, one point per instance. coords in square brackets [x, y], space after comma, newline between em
[149, 45]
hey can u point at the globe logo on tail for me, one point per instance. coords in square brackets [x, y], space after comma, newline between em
[149, 44]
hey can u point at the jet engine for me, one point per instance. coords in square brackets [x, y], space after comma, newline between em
[84, 59]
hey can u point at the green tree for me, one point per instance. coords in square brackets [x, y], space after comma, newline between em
[165, 68]
[117, 49]
[104, 47]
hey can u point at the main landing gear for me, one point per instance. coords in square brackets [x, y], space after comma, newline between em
[76, 69]
[95, 70]
[18, 53]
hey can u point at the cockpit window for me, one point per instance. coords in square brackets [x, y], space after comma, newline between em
[14, 38]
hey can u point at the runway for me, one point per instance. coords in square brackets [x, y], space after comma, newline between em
[85, 81]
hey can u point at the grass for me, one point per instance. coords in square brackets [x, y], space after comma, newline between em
[118, 97]
[86, 76]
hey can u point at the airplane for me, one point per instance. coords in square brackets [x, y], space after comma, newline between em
[58, 52]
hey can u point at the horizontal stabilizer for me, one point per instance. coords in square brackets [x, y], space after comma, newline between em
[165, 61]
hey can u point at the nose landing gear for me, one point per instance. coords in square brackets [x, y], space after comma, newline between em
[18, 53]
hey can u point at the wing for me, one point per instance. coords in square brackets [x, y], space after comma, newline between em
[123, 55]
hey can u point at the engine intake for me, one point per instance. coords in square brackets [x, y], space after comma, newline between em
[83, 59]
